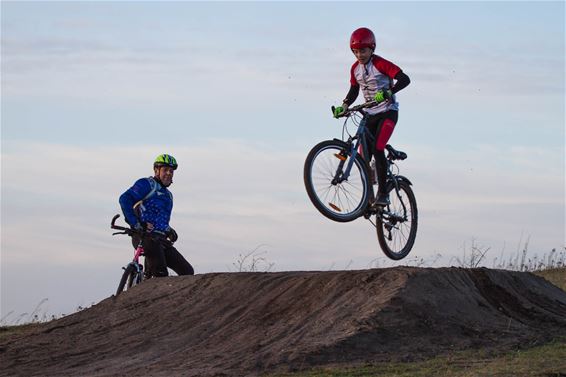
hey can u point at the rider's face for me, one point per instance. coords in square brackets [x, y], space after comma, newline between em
[362, 54]
[165, 175]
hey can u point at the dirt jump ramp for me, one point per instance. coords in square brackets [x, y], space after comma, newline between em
[246, 324]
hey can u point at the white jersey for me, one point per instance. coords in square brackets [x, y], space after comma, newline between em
[377, 74]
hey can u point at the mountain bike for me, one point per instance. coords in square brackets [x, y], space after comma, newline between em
[339, 183]
[134, 271]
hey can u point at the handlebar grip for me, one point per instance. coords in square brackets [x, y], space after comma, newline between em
[332, 108]
[114, 220]
[114, 226]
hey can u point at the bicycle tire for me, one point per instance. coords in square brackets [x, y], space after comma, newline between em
[342, 202]
[134, 279]
[131, 280]
[396, 239]
[128, 271]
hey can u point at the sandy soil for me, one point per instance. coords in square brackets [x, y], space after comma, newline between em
[246, 324]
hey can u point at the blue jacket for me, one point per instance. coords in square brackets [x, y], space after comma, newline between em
[156, 206]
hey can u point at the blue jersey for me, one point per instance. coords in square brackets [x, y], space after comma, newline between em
[156, 205]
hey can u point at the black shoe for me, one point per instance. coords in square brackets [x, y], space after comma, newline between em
[382, 200]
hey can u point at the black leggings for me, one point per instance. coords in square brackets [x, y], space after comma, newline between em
[159, 254]
[375, 126]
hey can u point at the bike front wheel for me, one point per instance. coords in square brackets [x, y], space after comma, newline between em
[130, 277]
[125, 276]
[338, 199]
[397, 223]
[134, 279]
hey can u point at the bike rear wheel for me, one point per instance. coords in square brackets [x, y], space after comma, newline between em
[397, 224]
[339, 201]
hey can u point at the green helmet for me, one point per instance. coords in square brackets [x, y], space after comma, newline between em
[165, 160]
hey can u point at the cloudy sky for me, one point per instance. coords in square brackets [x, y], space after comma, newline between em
[239, 93]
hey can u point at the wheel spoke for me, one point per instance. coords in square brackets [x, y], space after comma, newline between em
[345, 199]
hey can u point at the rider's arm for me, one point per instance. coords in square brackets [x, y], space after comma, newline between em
[134, 194]
[402, 81]
[352, 95]
[393, 71]
[354, 88]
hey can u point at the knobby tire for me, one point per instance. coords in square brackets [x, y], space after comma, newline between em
[127, 277]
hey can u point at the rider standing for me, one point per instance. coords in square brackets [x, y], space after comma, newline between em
[375, 76]
[147, 206]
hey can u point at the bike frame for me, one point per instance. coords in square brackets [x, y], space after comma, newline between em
[136, 261]
[361, 138]
[139, 249]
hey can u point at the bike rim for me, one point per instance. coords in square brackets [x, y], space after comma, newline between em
[343, 198]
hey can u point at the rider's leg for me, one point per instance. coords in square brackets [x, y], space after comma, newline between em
[177, 262]
[383, 133]
[373, 123]
[155, 257]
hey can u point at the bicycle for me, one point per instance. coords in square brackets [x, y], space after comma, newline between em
[134, 271]
[337, 180]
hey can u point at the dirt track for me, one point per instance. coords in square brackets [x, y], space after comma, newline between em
[236, 324]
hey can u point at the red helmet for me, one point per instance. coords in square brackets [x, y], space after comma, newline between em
[362, 37]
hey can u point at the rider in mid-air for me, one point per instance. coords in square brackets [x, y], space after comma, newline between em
[147, 206]
[375, 76]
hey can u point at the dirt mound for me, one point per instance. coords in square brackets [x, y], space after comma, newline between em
[247, 323]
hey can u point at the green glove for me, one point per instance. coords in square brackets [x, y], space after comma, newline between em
[339, 111]
[382, 95]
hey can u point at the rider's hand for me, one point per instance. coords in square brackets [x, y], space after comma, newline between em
[340, 110]
[382, 95]
[172, 235]
[143, 227]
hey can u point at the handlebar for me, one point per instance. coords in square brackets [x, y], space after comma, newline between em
[123, 229]
[356, 108]
[132, 232]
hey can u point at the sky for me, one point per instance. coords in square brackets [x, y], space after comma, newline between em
[239, 92]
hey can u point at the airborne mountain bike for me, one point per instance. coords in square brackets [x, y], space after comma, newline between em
[339, 183]
[134, 271]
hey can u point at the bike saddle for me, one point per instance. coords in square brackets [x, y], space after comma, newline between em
[395, 154]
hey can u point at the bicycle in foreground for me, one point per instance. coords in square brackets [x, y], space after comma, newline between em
[134, 271]
[338, 182]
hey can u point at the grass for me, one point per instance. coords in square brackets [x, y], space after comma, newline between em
[556, 276]
[547, 360]
[16, 329]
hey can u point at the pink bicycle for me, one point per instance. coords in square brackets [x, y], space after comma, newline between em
[134, 271]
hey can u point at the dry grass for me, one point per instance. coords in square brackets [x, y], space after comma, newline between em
[547, 360]
[556, 276]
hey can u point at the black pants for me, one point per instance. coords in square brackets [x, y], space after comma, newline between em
[375, 126]
[159, 254]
